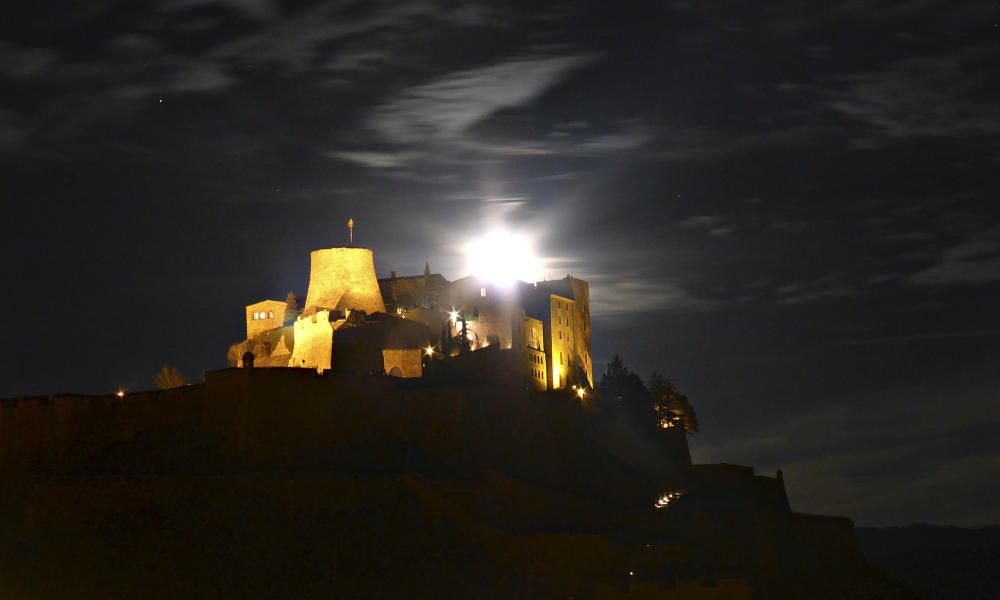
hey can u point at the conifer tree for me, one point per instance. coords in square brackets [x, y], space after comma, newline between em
[622, 390]
[672, 407]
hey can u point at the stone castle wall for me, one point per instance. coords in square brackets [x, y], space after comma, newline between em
[295, 418]
[276, 308]
[288, 418]
[408, 361]
[50, 434]
[313, 335]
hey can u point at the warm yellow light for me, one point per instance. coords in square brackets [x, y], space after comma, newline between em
[503, 258]
[665, 500]
[580, 392]
[454, 315]
[429, 350]
[121, 393]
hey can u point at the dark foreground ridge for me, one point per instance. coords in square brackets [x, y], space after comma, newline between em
[284, 483]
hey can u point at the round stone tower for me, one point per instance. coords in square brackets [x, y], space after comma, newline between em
[343, 279]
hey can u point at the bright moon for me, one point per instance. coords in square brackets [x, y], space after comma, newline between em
[503, 258]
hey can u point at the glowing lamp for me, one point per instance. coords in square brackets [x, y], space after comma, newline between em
[120, 393]
[429, 350]
[580, 392]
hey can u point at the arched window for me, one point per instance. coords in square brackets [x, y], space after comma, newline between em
[270, 315]
[255, 317]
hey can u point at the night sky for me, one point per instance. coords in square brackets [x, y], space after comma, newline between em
[790, 208]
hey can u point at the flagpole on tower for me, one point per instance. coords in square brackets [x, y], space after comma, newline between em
[350, 231]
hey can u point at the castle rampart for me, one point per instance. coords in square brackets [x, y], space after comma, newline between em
[51, 434]
[296, 419]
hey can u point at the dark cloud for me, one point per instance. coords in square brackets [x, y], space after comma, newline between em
[11, 133]
[823, 288]
[448, 106]
[947, 96]
[24, 62]
[973, 261]
[258, 9]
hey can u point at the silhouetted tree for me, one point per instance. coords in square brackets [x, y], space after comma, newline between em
[291, 303]
[169, 377]
[621, 389]
[672, 407]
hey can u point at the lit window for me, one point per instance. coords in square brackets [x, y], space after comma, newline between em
[270, 315]
[482, 292]
[255, 317]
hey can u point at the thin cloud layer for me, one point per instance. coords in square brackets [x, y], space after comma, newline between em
[448, 106]
[973, 261]
[947, 96]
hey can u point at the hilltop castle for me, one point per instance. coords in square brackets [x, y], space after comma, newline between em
[354, 322]
[431, 432]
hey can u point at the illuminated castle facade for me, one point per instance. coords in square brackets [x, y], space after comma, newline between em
[401, 326]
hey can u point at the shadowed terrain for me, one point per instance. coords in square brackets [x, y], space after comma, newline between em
[282, 483]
